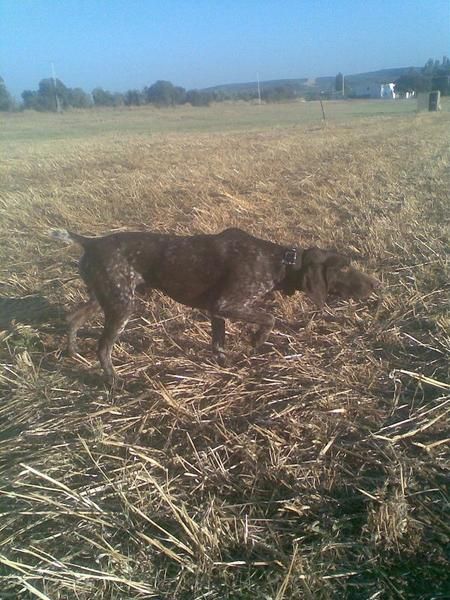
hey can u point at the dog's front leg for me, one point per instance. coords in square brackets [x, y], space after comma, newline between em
[262, 333]
[248, 315]
[218, 339]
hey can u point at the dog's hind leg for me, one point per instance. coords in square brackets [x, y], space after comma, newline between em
[113, 282]
[76, 319]
[116, 297]
[116, 318]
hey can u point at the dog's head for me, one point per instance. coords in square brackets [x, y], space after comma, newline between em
[323, 273]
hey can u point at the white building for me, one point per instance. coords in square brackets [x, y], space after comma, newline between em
[387, 90]
[377, 90]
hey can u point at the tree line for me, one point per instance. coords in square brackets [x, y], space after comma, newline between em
[53, 95]
[434, 75]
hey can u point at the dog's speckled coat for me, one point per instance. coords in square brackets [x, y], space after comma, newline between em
[224, 274]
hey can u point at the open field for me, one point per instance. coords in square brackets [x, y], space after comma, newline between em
[147, 120]
[315, 469]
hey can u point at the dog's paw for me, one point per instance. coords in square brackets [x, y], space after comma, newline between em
[221, 358]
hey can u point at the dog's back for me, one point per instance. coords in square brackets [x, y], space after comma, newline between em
[190, 269]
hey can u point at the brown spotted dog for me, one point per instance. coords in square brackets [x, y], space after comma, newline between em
[224, 274]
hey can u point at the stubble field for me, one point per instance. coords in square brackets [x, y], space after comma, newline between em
[315, 469]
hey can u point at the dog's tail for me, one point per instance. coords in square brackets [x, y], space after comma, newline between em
[69, 237]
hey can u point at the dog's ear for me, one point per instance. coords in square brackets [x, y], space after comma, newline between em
[337, 261]
[333, 264]
[321, 272]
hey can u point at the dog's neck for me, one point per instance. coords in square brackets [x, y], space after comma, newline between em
[290, 257]
[292, 261]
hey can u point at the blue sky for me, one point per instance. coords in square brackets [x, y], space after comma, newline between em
[124, 44]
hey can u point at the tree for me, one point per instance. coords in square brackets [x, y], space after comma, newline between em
[30, 99]
[179, 95]
[164, 93]
[429, 67]
[77, 98]
[339, 83]
[102, 97]
[441, 83]
[118, 99]
[220, 96]
[441, 77]
[134, 98]
[52, 95]
[198, 98]
[6, 101]
[434, 67]
[413, 81]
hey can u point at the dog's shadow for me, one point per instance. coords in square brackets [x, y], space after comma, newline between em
[34, 310]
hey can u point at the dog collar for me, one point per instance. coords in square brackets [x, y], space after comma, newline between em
[290, 257]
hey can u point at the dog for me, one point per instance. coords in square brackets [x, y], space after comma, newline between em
[224, 274]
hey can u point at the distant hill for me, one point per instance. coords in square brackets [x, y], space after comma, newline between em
[305, 85]
[382, 76]
[235, 88]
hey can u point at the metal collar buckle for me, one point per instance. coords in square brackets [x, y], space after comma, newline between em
[290, 257]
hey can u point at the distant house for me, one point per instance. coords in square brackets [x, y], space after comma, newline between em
[406, 94]
[387, 90]
[373, 90]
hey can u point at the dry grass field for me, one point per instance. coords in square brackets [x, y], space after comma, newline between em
[315, 469]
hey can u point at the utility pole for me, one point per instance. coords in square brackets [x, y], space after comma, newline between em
[259, 88]
[57, 102]
[343, 87]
